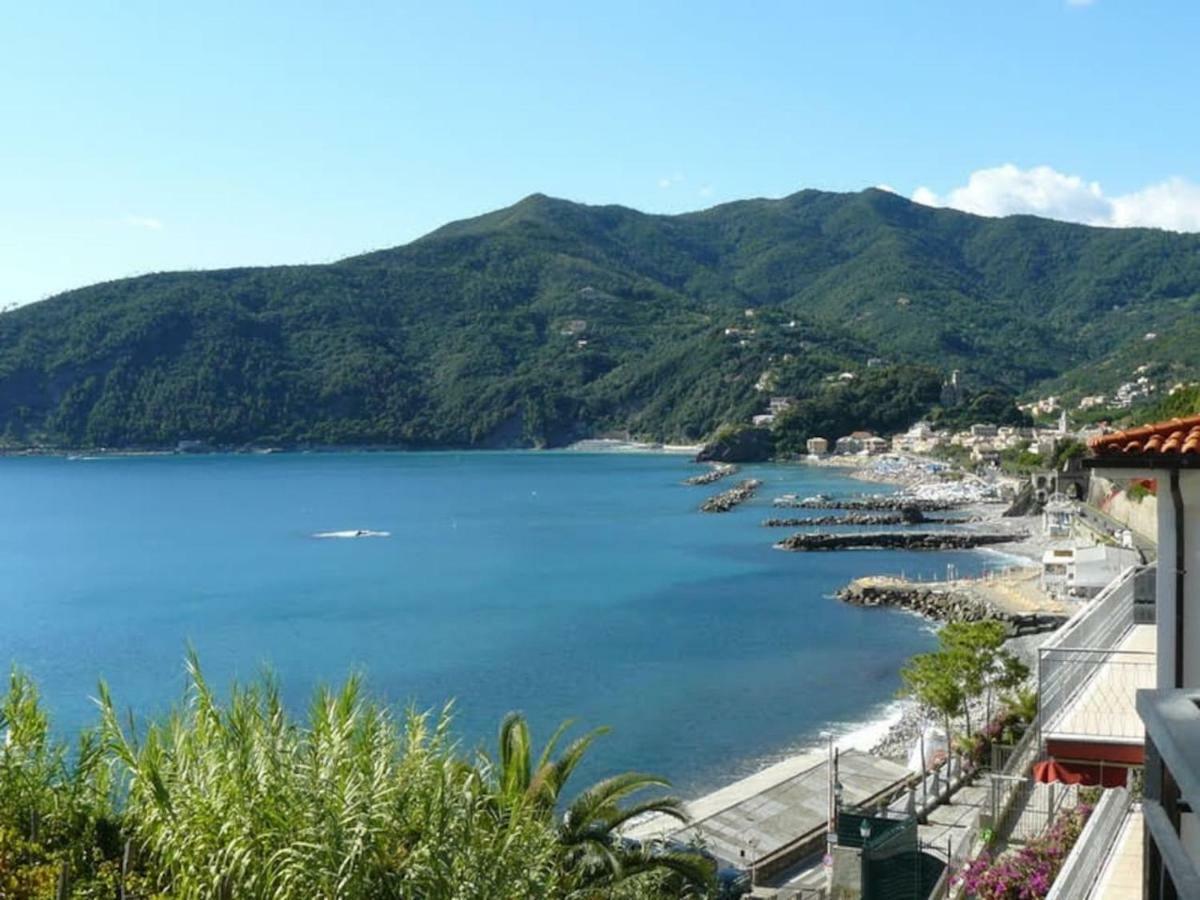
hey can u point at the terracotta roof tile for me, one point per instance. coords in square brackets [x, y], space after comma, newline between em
[1177, 437]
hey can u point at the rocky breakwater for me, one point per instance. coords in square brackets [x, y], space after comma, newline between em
[907, 516]
[940, 604]
[896, 540]
[872, 502]
[727, 500]
[716, 473]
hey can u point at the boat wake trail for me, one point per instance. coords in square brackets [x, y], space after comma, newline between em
[360, 533]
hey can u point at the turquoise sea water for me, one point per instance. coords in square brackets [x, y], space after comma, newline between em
[562, 584]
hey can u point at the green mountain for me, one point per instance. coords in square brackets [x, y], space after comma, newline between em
[550, 320]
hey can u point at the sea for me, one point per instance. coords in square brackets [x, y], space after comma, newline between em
[565, 584]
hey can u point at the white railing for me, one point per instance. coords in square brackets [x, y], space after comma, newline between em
[1104, 620]
[1086, 860]
[1070, 659]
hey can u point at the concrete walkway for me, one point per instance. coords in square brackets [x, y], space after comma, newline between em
[765, 816]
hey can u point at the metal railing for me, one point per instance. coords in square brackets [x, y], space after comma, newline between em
[1024, 808]
[1090, 692]
[1076, 653]
[1109, 615]
[960, 854]
[1086, 860]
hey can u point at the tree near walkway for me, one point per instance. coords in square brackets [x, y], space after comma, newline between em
[970, 661]
[933, 680]
[986, 666]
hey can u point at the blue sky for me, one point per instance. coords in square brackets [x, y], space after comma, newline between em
[139, 138]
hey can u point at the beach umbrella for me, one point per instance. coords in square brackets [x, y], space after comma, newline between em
[1049, 771]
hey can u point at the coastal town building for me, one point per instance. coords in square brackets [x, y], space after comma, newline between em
[875, 445]
[1044, 406]
[985, 455]
[817, 446]
[920, 438]
[848, 444]
[1058, 515]
[1169, 452]
[1083, 572]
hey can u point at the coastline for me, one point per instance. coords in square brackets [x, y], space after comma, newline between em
[889, 731]
[589, 445]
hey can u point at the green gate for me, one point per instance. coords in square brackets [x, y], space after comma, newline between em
[894, 865]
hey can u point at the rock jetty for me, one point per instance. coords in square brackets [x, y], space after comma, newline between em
[716, 473]
[896, 540]
[906, 517]
[727, 500]
[877, 502]
[939, 604]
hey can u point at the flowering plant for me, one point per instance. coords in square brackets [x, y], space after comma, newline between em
[1027, 873]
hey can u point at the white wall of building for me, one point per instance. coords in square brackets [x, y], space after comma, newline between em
[1189, 484]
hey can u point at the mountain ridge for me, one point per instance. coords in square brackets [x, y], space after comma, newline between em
[549, 320]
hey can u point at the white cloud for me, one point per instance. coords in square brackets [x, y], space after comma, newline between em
[148, 222]
[1080, 2]
[705, 191]
[1005, 190]
[1173, 204]
[886, 187]
[926, 196]
[670, 181]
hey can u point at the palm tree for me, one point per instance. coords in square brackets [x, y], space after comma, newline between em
[588, 832]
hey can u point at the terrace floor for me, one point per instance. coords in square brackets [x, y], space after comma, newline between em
[1104, 707]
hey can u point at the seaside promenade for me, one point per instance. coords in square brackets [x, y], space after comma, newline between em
[777, 817]
[774, 824]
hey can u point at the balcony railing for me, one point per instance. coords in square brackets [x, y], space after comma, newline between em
[1088, 672]
[1093, 695]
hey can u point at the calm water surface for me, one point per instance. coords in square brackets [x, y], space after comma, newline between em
[561, 584]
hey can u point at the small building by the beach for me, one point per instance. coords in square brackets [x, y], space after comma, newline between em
[817, 446]
[848, 444]
[875, 444]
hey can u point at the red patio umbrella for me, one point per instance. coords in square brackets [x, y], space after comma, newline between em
[1050, 770]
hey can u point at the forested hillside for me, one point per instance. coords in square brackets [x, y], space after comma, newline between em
[549, 321]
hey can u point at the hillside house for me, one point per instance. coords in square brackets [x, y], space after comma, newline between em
[780, 405]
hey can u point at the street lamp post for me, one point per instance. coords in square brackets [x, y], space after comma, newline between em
[831, 796]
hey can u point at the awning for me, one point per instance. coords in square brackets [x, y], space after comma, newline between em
[1051, 770]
